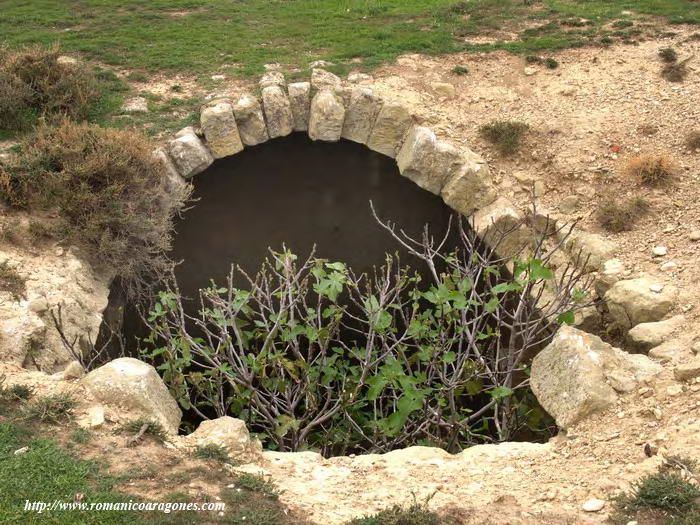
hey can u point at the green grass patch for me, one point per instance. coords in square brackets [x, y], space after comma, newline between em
[238, 38]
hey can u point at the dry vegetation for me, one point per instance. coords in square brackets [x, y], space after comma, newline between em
[616, 216]
[652, 170]
[506, 136]
[35, 84]
[108, 189]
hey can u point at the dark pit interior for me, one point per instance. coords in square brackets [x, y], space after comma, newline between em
[300, 193]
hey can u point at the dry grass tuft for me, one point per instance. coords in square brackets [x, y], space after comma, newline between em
[652, 170]
[109, 191]
[505, 135]
[693, 140]
[616, 217]
[35, 84]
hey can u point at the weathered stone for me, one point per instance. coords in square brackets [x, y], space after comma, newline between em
[135, 387]
[322, 79]
[593, 505]
[226, 432]
[587, 319]
[251, 123]
[443, 89]
[135, 105]
[578, 374]
[74, 370]
[687, 371]
[220, 129]
[300, 101]
[500, 216]
[272, 78]
[189, 155]
[646, 336]
[665, 352]
[359, 78]
[278, 112]
[188, 130]
[361, 114]
[173, 183]
[427, 161]
[390, 129]
[592, 249]
[569, 204]
[471, 187]
[634, 301]
[327, 116]
[611, 271]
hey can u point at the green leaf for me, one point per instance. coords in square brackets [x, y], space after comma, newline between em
[449, 357]
[500, 392]
[567, 318]
[537, 271]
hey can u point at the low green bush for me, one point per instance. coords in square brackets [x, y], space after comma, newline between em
[505, 135]
[314, 357]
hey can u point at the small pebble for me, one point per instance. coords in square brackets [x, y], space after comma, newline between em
[694, 236]
[659, 251]
[593, 505]
[21, 451]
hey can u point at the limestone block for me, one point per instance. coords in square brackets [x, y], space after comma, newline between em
[251, 123]
[327, 116]
[361, 114]
[427, 161]
[390, 129]
[471, 187]
[300, 101]
[220, 129]
[189, 155]
[278, 111]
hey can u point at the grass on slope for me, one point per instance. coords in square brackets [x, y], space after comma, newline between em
[239, 36]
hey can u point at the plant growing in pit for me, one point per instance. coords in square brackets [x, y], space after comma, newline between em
[313, 356]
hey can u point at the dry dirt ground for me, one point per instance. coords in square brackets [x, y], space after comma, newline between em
[587, 117]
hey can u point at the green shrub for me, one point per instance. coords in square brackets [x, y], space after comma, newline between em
[52, 409]
[153, 428]
[256, 483]
[416, 514]
[34, 83]
[14, 393]
[108, 188]
[665, 492]
[616, 216]
[668, 54]
[551, 63]
[533, 59]
[137, 76]
[353, 363]
[622, 23]
[675, 71]
[505, 135]
[212, 451]
[460, 70]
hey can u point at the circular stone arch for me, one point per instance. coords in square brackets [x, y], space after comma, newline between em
[330, 109]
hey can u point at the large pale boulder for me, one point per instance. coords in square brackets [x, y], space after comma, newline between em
[642, 300]
[220, 129]
[578, 374]
[251, 123]
[592, 248]
[189, 155]
[272, 78]
[300, 102]
[427, 161]
[390, 129]
[327, 116]
[361, 114]
[227, 432]
[134, 387]
[471, 187]
[646, 336]
[610, 272]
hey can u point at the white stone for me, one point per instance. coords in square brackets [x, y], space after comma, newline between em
[134, 387]
[359, 78]
[593, 505]
[251, 123]
[646, 336]
[272, 78]
[322, 79]
[327, 116]
[470, 187]
[135, 105]
[278, 111]
[659, 251]
[189, 155]
[226, 432]
[74, 370]
[501, 216]
[220, 129]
